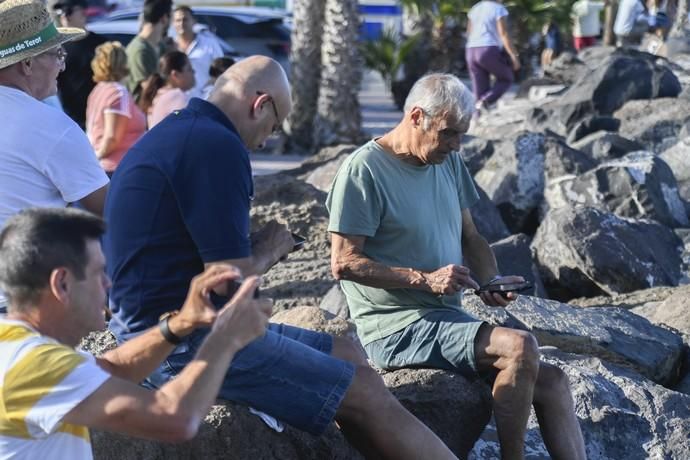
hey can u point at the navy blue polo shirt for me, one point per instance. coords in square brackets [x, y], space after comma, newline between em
[179, 198]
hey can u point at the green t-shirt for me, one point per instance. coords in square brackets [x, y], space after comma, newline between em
[142, 61]
[412, 217]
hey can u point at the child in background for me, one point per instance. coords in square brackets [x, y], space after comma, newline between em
[218, 66]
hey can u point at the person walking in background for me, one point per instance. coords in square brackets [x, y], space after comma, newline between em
[585, 15]
[143, 51]
[113, 120]
[165, 91]
[628, 28]
[553, 43]
[199, 47]
[218, 66]
[76, 81]
[489, 51]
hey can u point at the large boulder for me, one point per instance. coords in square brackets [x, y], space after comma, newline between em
[622, 76]
[591, 124]
[584, 251]
[566, 68]
[622, 415]
[475, 152]
[614, 334]
[561, 160]
[514, 179]
[604, 145]
[638, 185]
[487, 218]
[673, 311]
[514, 257]
[229, 431]
[656, 124]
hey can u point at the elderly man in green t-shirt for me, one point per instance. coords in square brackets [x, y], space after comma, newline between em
[404, 246]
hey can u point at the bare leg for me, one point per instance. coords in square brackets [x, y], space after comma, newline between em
[515, 355]
[558, 423]
[375, 422]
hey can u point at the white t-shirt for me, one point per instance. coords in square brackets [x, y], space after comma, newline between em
[585, 15]
[42, 381]
[46, 160]
[484, 31]
[628, 11]
[201, 52]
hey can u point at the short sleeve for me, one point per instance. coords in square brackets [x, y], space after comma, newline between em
[214, 197]
[352, 201]
[501, 12]
[46, 383]
[117, 101]
[72, 166]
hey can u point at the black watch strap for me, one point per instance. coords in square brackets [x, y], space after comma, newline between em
[167, 333]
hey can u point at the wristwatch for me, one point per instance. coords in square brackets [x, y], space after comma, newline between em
[165, 328]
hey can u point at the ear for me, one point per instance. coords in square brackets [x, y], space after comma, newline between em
[59, 283]
[26, 66]
[258, 105]
[416, 116]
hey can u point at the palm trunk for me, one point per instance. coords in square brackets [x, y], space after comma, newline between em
[305, 71]
[339, 119]
[609, 19]
[678, 28]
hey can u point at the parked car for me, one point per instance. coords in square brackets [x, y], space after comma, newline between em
[249, 30]
[125, 30]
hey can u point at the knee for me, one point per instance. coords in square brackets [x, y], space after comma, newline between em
[349, 350]
[367, 394]
[524, 352]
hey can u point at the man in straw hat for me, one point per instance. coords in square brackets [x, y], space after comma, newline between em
[45, 158]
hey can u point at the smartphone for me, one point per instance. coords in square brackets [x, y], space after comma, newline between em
[504, 288]
[299, 242]
[233, 285]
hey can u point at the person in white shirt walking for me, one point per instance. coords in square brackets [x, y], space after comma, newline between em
[199, 47]
[629, 26]
[586, 22]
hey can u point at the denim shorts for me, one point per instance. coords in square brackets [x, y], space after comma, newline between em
[288, 373]
[441, 339]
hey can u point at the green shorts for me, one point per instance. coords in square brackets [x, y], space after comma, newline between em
[442, 339]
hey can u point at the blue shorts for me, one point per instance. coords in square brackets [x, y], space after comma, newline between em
[441, 339]
[288, 373]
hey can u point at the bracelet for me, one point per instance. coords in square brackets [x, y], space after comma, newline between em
[164, 327]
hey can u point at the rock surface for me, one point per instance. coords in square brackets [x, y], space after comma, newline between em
[514, 257]
[622, 415]
[638, 185]
[603, 146]
[586, 252]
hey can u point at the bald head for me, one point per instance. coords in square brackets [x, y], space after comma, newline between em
[255, 95]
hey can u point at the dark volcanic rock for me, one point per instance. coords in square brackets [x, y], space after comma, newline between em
[638, 185]
[622, 76]
[487, 218]
[657, 124]
[566, 68]
[514, 257]
[514, 179]
[603, 146]
[561, 160]
[586, 252]
[622, 414]
[475, 152]
[592, 124]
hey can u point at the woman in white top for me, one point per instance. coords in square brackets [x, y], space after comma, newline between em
[164, 91]
[489, 51]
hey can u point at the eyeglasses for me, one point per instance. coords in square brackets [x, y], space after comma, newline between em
[60, 54]
[276, 127]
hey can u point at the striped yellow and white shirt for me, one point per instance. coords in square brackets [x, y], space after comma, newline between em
[41, 380]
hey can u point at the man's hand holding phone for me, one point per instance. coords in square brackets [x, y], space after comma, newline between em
[500, 291]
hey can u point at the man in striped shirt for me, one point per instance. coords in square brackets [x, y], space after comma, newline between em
[52, 270]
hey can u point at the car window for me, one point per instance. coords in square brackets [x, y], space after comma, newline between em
[227, 27]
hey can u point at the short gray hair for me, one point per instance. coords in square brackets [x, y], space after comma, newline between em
[437, 93]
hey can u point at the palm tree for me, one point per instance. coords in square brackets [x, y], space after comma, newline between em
[339, 119]
[305, 71]
[609, 18]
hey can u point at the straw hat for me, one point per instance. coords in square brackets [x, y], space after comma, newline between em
[26, 30]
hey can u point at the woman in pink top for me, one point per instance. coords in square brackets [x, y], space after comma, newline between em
[113, 120]
[164, 92]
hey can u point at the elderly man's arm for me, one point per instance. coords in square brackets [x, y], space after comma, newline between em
[480, 258]
[349, 262]
[174, 412]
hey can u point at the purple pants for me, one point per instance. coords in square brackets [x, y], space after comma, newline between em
[483, 62]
